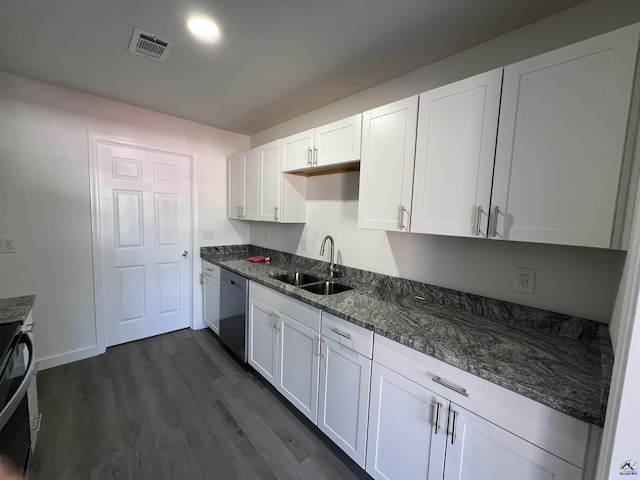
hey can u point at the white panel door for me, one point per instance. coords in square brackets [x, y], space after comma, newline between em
[386, 167]
[338, 142]
[144, 207]
[235, 185]
[270, 181]
[455, 149]
[343, 407]
[482, 450]
[262, 339]
[298, 365]
[407, 429]
[297, 151]
[252, 185]
[560, 142]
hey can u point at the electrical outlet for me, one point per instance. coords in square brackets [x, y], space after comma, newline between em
[525, 280]
[207, 234]
[267, 237]
[303, 243]
[7, 245]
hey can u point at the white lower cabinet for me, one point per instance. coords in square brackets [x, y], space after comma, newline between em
[403, 443]
[284, 346]
[417, 432]
[211, 296]
[262, 339]
[413, 431]
[483, 450]
[403, 415]
[298, 364]
[345, 375]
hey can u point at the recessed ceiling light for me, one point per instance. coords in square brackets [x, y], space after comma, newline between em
[204, 28]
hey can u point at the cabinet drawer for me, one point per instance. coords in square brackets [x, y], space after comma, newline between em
[549, 429]
[348, 334]
[299, 311]
[211, 269]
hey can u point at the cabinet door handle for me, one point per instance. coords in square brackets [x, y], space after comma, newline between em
[272, 320]
[460, 390]
[454, 427]
[320, 347]
[403, 225]
[438, 412]
[39, 420]
[29, 328]
[278, 322]
[494, 221]
[345, 335]
[478, 219]
[275, 213]
[315, 157]
[309, 158]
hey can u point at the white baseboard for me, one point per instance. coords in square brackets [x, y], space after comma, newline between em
[69, 357]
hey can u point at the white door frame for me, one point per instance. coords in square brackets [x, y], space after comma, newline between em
[94, 140]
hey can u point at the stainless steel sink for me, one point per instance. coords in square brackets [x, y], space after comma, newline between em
[296, 278]
[326, 288]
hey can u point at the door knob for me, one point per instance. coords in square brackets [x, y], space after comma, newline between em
[185, 253]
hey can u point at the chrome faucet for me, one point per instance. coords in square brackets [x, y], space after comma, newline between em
[334, 270]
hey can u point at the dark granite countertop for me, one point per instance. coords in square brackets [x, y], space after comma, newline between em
[15, 309]
[560, 361]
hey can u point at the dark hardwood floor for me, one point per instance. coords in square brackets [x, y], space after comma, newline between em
[175, 406]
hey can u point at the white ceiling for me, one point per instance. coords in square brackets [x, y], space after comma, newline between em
[277, 58]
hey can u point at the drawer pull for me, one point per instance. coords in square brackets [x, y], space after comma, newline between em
[459, 390]
[345, 335]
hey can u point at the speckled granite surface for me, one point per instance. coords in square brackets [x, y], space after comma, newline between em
[15, 309]
[560, 361]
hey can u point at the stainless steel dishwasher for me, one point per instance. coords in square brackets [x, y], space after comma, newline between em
[233, 310]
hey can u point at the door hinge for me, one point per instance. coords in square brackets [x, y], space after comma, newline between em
[202, 279]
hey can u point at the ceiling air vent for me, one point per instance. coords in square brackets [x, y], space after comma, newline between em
[149, 45]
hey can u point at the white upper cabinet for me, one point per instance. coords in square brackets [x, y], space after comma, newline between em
[243, 197]
[457, 126]
[542, 161]
[297, 151]
[270, 181]
[333, 144]
[258, 191]
[563, 123]
[252, 191]
[235, 185]
[386, 169]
